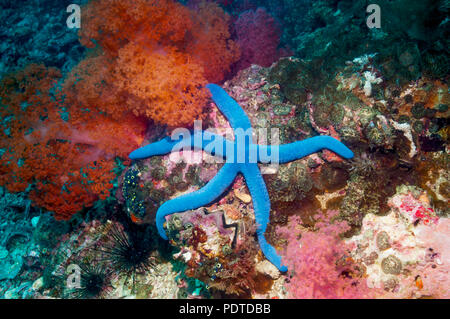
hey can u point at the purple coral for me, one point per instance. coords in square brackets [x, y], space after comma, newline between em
[258, 36]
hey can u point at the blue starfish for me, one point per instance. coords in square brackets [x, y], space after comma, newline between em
[246, 165]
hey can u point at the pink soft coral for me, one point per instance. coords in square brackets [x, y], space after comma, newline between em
[320, 260]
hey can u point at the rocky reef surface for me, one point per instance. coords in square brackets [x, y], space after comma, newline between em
[35, 31]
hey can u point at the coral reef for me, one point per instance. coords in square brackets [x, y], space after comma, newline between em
[333, 31]
[79, 218]
[404, 251]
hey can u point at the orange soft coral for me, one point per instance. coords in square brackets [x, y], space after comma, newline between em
[158, 83]
[68, 162]
[110, 137]
[171, 89]
[90, 85]
[156, 56]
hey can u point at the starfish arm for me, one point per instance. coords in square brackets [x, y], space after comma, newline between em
[161, 147]
[167, 144]
[202, 197]
[261, 206]
[229, 107]
[215, 144]
[292, 151]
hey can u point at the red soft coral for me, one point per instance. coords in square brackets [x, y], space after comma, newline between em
[158, 83]
[69, 162]
[90, 85]
[113, 24]
[67, 186]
